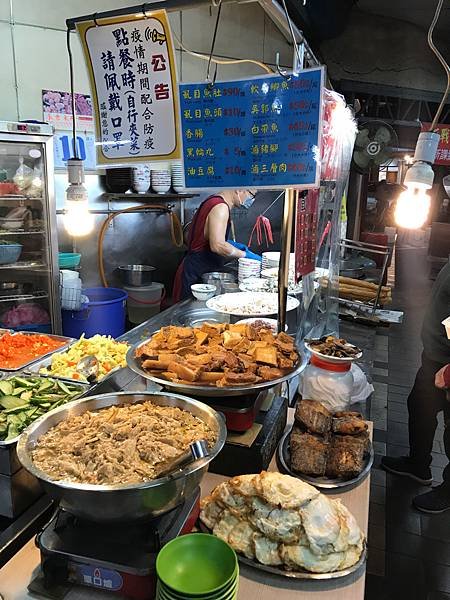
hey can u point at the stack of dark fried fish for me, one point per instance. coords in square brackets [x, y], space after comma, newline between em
[325, 444]
[220, 355]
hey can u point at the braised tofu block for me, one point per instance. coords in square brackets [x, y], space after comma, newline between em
[348, 425]
[313, 416]
[308, 453]
[345, 457]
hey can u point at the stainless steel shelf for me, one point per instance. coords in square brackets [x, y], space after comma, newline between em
[20, 198]
[22, 297]
[19, 232]
[149, 196]
[29, 264]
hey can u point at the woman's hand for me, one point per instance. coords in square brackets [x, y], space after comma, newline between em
[442, 378]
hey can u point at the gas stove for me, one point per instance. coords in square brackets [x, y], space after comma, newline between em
[117, 557]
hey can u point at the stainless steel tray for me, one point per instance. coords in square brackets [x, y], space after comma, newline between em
[281, 572]
[305, 574]
[205, 390]
[322, 483]
[83, 389]
[67, 342]
[46, 361]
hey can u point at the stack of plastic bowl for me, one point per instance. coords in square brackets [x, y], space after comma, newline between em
[197, 566]
[248, 268]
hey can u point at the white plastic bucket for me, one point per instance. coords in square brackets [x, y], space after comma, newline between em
[144, 302]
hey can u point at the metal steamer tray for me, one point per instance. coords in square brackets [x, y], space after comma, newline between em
[47, 361]
[206, 390]
[322, 483]
[67, 342]
[280, 572]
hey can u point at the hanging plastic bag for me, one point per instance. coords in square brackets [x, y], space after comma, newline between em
[35, 189]
[23, 176]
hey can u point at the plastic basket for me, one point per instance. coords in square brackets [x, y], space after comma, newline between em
[69, 260]
[9, 253]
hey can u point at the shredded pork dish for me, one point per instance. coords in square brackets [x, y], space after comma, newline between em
[119, 445]
[218, 354]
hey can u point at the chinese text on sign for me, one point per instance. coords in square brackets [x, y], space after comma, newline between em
[133, 77]
[261, 132]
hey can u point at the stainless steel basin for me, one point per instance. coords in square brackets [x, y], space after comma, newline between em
[122, 502]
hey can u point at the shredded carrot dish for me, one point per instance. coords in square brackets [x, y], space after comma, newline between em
[18, 349]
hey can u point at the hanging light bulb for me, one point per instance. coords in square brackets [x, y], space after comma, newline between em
[412, 208]
[78, 221]
[413, 204]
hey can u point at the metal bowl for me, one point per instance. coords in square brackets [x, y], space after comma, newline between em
[136, 275]
[219, 280]
[210, 391]
[122, 502]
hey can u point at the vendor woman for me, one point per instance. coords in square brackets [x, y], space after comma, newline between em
[209, 247]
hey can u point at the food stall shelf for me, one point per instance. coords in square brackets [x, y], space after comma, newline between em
[31, 265]
[148, 196]
[20, 232]
[22, 297]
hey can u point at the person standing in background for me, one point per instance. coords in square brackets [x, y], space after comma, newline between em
[425, 402]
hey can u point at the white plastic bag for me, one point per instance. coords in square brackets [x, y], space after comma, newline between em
[334, 392]
[23, 176]
[361, 387]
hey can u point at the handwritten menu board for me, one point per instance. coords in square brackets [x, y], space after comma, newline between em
[262, 132]
[306, 233]
[132, 70]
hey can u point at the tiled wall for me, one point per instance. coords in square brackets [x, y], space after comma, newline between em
[32, 38]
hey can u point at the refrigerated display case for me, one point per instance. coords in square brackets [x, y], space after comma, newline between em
[29, 274]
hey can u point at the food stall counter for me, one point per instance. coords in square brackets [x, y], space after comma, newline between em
[253, 585]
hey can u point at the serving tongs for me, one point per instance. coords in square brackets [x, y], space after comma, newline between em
[88, 367]
[197, 451]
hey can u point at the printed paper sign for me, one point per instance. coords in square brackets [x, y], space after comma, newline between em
[57, 111]
[263, 132]
[443, 151]
[131, 63]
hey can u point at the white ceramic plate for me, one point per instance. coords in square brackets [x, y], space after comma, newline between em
[252, 304]
[332, 359]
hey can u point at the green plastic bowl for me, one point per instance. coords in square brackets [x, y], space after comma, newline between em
[197, 564]
[226, 593]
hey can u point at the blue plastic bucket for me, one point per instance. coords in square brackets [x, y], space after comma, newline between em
[104, 314]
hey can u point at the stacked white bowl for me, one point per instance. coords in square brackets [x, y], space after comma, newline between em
[177, 177]
[248, 268]
[161, 181]
[140, 177]
[272, 259]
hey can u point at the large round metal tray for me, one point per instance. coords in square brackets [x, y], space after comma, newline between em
[322, 483]
[206, 390]
[254, 564]
[122, 502]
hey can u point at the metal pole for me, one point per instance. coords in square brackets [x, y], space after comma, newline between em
[147, 7]
[286, 239]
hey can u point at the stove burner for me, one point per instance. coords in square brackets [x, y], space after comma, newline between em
[119, 557]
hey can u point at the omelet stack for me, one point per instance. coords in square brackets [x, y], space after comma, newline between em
[282, 521]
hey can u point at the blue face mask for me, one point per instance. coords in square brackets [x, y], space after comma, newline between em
[248, 202]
